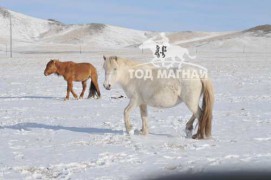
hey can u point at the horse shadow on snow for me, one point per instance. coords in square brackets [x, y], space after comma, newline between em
[29, 126]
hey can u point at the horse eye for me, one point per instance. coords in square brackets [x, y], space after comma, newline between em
[115, 69]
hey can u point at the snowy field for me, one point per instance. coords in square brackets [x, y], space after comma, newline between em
[44, 137]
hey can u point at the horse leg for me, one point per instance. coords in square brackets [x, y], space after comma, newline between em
[132, 104]
[84, 85]
[144, 117]
[198, 135]
[191, 97]
[196, 110]
[71, 89]
[189, 126]
[68, 91]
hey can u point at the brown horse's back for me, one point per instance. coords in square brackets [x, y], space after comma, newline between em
[78, 71]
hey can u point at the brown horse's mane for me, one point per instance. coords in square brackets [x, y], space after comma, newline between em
[59, 65]
[56, 61]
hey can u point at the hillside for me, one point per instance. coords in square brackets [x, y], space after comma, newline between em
[27, 29]
[35, 34]
[253, 39]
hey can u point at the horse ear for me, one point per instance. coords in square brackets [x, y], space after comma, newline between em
[104, 57]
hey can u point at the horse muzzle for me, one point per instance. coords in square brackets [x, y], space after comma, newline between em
[45, 73]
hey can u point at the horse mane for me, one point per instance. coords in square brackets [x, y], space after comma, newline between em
[128, 62]
[59, 65]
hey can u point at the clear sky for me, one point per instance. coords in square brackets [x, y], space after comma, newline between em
[157, 15]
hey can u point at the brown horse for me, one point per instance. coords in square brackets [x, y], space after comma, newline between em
[75, 72]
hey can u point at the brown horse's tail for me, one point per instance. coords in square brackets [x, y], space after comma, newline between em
[205, 120]
[94, 87]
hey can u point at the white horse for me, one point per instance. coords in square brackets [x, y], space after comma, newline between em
[161, 93]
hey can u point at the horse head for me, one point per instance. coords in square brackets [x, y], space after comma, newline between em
[50, 67]
[111, 71]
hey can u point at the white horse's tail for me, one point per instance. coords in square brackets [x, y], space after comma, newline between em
[205, 120]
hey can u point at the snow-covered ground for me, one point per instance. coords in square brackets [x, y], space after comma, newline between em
[43, 136]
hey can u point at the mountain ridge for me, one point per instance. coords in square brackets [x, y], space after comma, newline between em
[27, 30]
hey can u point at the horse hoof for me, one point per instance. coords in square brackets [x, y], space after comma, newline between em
[195, 136]
[66, 99]
[143, 132]
[131, 132]
[188, 133]
[96, 97]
